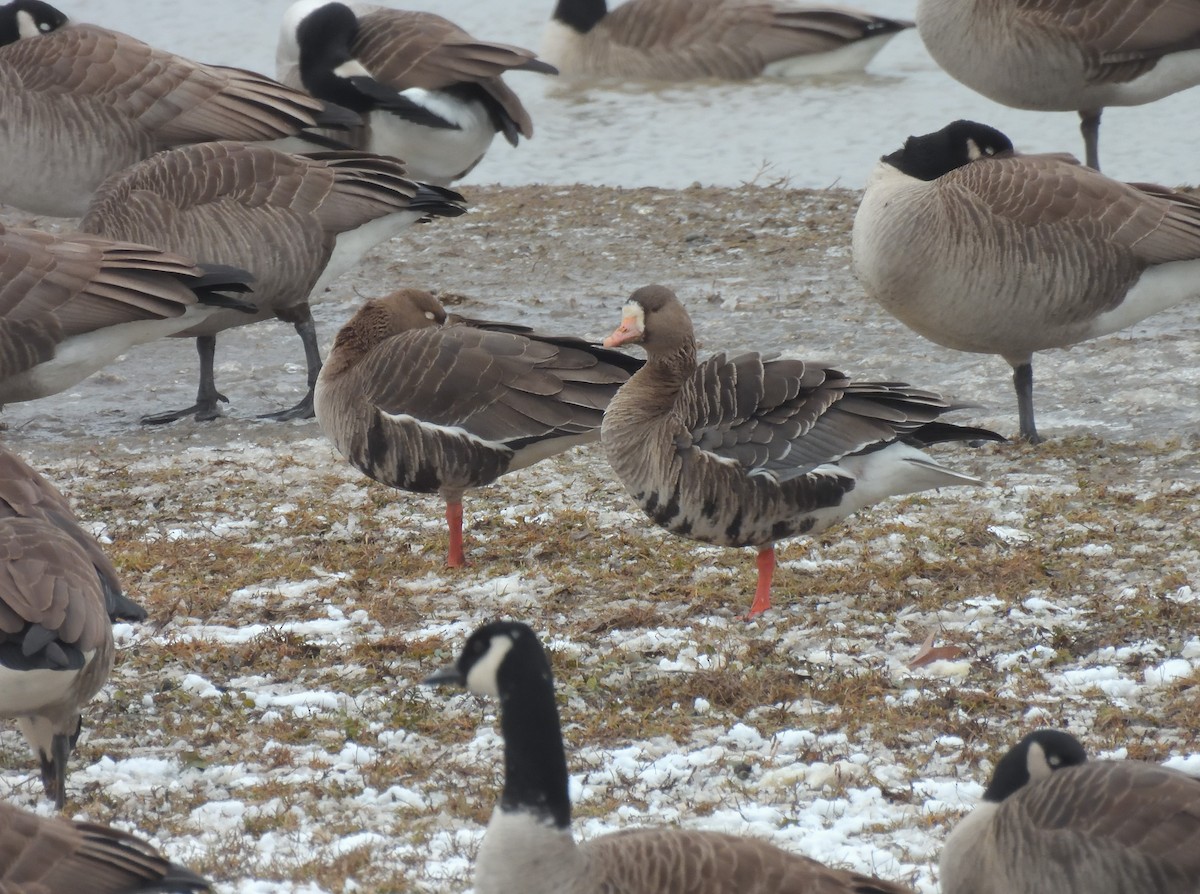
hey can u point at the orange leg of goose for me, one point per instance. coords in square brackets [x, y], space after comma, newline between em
[455, 557]
[766, 571]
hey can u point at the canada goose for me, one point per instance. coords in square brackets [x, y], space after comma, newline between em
[71, 304]
[528, 845]
[51, 855]
[679, 40]
[25, 493]
[1052, 822]
[81, 102]
[1066, 55]
[430, 93]
[56, 642]
[426, 403]
[296, 222]
[747, 450]
[980, 248]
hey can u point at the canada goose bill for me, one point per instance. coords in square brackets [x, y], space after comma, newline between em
[1051, 820]
[430, 403]
[749, 450]
[56, 642]
[114, 101]
[1066, 55]
[981, 248]
[296, 222]
[25, 493]
[429, 92]
[528, 845]
[680, 40]
[51, 855]
[71, 304]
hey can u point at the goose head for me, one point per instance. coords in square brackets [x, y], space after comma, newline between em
[960, 143]
[492, 657]
[23, 19]
[655, 319]
[1035, 757]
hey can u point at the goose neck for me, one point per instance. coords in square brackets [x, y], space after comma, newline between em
[535, 764]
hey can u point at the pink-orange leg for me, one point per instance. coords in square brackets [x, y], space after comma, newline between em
[455, 557]
[766, 572]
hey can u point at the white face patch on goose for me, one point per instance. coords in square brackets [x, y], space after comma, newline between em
[352, 69]
[1037, 764]
[27, 26]
[635, 310]
[482, 678]
[973, 151]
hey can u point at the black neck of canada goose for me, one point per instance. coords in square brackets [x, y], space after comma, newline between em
[28, 18]
[931, 155]
[326, 38]
[581, 15]
[1035, 757]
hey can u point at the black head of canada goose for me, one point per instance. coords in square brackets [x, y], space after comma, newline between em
[678, 40]
[529, 847]
[71, 304]
[1066, 55]
[1053, 822]
[296, 222]
[40, 855]
[81, 102]
[428, 91]
[981, 248]
[426, 402]
[748, 450]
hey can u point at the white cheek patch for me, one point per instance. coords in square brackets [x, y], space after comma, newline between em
[1037, 764]
[973, 151]
[635, 310]
[482, 677]
[352, 69]
[26, 26]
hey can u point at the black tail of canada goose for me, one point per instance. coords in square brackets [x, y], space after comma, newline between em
[81, 102]
[678, 40]
[1066, 55]
[296, 222]
[981, 248]
[41, 855]
[428, 92]
[1052, 821]
[529, 847]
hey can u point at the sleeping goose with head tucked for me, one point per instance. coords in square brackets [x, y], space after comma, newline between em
[747, 450]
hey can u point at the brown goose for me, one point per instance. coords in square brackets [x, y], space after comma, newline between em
[81, 102]
[1066, 55]
[56, 642]
[678, 40]
[40, 855]
[296, 222]
[426, 403]
[1052, 821]
[430, 93]
[71, 304]
[980, 248]
[24, 493]
[746, 450]
[528, 845]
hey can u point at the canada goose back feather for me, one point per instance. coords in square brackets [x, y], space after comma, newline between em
[82, 102]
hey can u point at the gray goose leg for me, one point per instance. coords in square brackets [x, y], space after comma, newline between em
[1023, 383]
[1089, 126]
[307, 330]
[205, 407]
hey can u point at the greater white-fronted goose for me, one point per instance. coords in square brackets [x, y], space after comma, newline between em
[980, 248]
[71, 304]
[679, 40]
[50, 855]
[296, 222]
[528, 845]
[56, 642]
[1066, 55]
[430, 93]
[431, 404]
[1052, 822]
[747, 450]
[81, 102]
[25, 493]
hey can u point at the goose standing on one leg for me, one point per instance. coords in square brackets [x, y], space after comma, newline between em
[296, 222]
[429, 92]
[528, 846]
[426, 403]
[1052, 822]
[81, 102]
[980, 248]
[680, 40]
[747, 451]
[1066, 55]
